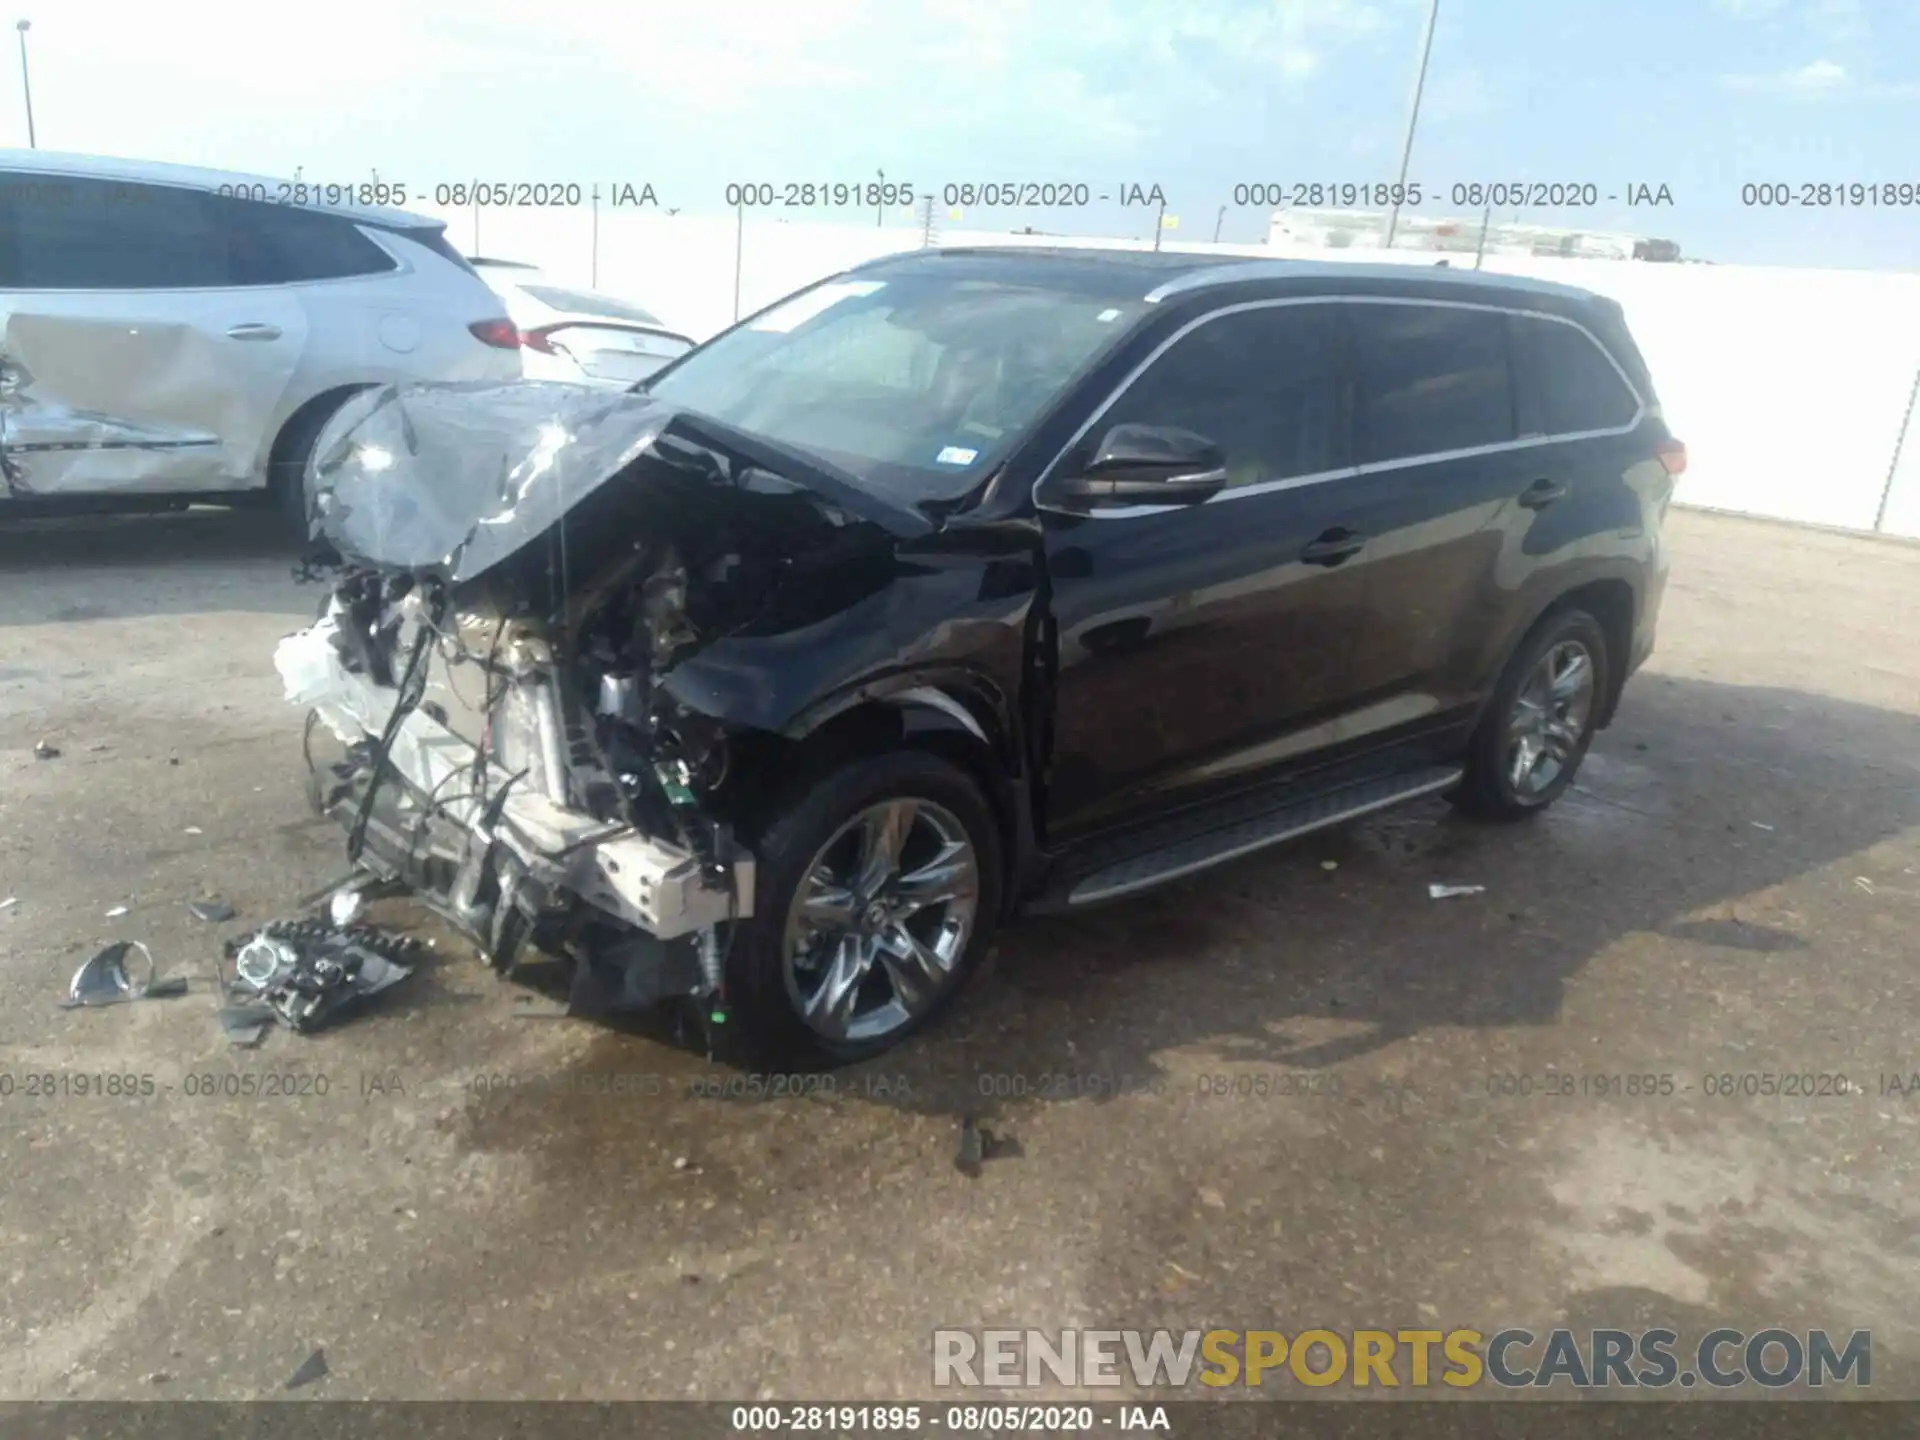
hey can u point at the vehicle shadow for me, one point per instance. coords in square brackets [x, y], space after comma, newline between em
[57, 570]
[1331, 948]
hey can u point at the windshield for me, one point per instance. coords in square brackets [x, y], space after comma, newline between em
[916, 385]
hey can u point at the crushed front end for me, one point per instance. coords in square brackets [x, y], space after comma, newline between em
[522, 568]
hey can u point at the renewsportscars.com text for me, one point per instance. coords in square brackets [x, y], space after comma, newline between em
[1418, 1359]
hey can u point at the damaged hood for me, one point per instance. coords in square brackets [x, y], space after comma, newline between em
[458, 478]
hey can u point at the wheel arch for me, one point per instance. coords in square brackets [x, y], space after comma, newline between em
[964, 720]
[1613, 601]
[301, 427]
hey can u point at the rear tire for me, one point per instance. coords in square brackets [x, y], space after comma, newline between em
[913, 953]
[1537, 729]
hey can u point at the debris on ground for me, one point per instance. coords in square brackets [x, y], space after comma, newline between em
[245, 1025]
[313, 1368]
[46, 750]
[1759, 826]
[308, 973]
[979, 1145]
[116, 912]
[1329, 864]
[1863, 883]
[345, 907]
[106, 979]
[214, 912]
[973, 1149]
[1447, 892]
[9, 902]
[193, 830]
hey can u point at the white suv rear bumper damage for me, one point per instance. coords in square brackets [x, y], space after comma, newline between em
[641, 881]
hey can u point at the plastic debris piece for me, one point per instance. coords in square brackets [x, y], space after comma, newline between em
[116, 912]
[1758, 825]
[1447, 892]
[214, 912]
[9, 902]
[973, 1149]
[193, 830]
[245, 1025]
[313, 1368]
[109, 979]
[1329, 864]
[46, 750]
[345, 907]
[1863, 883]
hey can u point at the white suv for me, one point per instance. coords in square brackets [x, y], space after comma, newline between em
[171, 335]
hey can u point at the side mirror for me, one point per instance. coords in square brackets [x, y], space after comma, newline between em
[1149, 465]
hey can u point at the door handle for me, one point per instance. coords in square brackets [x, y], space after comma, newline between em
[253, 332]
[1334, 546]
[1542, 493]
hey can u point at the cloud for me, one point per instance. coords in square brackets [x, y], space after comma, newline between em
[1750, 9]
[1817, 77]
[1836, 22]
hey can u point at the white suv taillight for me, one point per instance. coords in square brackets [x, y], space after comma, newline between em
[501, 334]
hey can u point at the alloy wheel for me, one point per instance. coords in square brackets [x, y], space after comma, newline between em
[880, 920]
[1549, 718]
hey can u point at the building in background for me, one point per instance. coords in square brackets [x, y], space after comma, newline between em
[1367, 230]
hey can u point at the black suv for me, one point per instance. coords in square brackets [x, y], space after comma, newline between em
[965, 582]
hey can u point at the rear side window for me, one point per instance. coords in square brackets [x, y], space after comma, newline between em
[1429, 378]
[61, 232]
[1262, 384]
[434, 237]
[1568, 384]
[286, 244]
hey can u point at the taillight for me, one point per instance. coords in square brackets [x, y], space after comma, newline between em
[501, 334]
[1673, 455]
[541, 340]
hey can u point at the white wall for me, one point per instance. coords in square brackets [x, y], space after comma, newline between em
[1788, 386]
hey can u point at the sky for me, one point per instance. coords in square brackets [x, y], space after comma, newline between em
[1702, 97]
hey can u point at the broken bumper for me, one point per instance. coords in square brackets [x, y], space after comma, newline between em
[458, 827]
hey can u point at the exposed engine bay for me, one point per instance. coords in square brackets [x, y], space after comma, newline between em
[524, 571]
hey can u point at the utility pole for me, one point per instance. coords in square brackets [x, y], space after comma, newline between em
[1413, 118]
[1159, 224]
[26, 84]
[1218, 221]
[593, 261]
[1485, 221]
[739, 241]
[880, 201]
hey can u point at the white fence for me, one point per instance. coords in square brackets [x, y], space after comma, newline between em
[1790, 387]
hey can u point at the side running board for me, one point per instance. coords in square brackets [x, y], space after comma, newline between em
[1230, 837]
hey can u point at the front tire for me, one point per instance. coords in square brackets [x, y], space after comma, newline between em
[876, 894]
[1541, 721]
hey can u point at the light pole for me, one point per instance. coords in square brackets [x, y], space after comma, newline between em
[26, 85]
[1413, 119]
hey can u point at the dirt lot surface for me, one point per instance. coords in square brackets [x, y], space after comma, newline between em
[470, 1209]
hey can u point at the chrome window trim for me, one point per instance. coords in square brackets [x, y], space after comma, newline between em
[1294, 482]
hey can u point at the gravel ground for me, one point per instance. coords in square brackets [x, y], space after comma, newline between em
[470, 1211]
